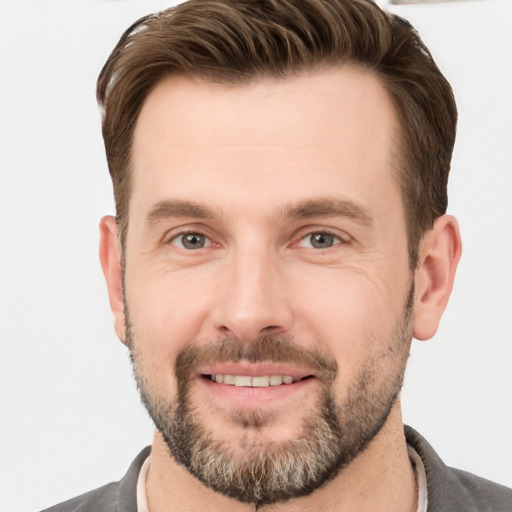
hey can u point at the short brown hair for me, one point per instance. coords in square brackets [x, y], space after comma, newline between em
[237, 41]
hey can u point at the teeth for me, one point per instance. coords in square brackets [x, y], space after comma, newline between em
[262, 381]
[229, 379]
[276, 380]
[242, 380]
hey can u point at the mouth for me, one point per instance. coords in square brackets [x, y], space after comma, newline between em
[248, 385]
[259, 381]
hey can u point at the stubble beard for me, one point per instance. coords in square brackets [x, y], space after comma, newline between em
[263, 472]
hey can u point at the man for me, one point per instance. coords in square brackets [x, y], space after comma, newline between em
[280, 173]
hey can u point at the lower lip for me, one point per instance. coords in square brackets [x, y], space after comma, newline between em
[254, 396]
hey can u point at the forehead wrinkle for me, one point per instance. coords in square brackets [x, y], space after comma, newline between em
[177, 208]
[327, 206]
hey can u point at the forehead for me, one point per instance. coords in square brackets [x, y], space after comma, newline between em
[272, 137]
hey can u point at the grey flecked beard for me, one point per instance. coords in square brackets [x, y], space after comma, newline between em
[264, 472]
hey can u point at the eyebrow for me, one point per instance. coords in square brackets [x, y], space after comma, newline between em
[309, 208]
[328, 207]
[176, 208]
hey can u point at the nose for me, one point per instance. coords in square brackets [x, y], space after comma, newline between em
[253, 299]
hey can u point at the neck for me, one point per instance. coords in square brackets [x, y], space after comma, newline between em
[380, 478]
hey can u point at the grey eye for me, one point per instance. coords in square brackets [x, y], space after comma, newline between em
[319, 240]
[191, 241]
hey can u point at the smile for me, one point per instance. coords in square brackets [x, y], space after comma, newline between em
[262, 381]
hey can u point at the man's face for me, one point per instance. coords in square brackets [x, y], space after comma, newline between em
[267, 243]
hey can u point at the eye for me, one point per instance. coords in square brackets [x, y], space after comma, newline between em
[191, 241]
[320, 240]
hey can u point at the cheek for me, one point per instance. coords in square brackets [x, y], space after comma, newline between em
[351, 314]
[165, 308]
[164, 316]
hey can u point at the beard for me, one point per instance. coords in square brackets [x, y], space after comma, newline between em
[264, 471]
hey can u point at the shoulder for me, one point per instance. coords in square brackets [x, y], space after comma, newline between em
[484, 494]
[453, 490]
[114, 497]
[103, 499]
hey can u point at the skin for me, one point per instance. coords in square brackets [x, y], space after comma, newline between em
[252, 155]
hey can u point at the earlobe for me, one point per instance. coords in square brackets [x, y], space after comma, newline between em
[439, 255]
[110, 258]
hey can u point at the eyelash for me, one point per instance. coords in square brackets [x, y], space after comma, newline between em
[183, 234]
[340, 239]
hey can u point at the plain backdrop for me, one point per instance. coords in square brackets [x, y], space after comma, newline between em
[70, 415]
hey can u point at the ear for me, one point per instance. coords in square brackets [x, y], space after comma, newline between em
[110, 258]
[439, 255]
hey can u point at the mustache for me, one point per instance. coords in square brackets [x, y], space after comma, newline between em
[265, 348]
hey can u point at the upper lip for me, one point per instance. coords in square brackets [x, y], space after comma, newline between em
[254, 369]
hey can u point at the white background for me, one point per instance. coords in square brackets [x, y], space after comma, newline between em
[70, 415]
